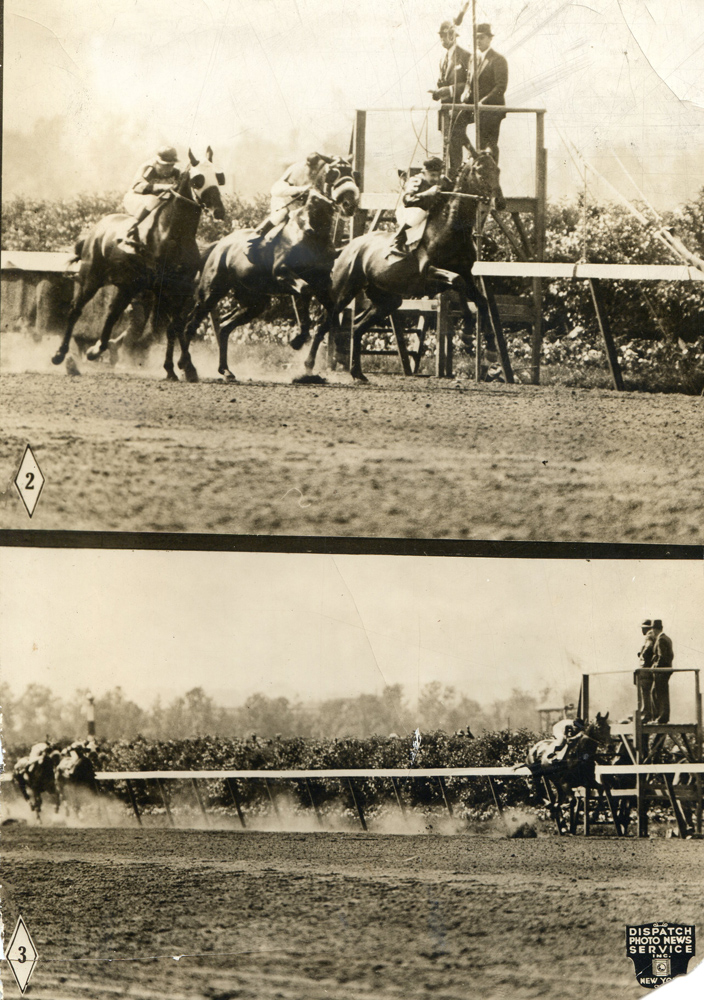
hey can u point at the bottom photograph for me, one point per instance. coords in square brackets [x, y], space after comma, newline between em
[352, 777]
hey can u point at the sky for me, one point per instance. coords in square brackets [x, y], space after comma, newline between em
[126, 75]
[322, 626]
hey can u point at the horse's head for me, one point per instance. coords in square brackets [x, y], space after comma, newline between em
[479, 176]
[318, 210]
[205, 183]
[337, 180]
[600, 729]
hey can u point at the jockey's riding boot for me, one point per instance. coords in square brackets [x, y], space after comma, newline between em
[399, 246]
[256, 239]
[131, 243]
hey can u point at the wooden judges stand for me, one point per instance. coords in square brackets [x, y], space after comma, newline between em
[527, 241]
[640, 744]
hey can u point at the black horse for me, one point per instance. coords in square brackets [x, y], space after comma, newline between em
[558, 768]
[296, 259]
[34, 776]
[168, 265]
[442, 261]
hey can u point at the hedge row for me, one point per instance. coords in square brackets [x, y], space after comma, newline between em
[436, 749]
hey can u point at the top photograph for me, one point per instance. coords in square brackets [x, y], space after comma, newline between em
[411, 270]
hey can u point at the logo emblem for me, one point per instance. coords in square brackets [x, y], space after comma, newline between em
[22, 955]
[660, 951]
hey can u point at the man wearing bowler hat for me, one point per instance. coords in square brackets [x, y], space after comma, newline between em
[492, 79]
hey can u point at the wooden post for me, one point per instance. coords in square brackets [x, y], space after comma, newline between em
[271, 797]
[133, 801]
[445, 799]
[583, 704]
[398, 797]
[494, 795]
[539, 225]
[358, 807]
[196, 789]
[235, 798]
[313, 802]
[606, 336]
[164, 799]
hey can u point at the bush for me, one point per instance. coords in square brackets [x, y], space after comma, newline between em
[436, 750]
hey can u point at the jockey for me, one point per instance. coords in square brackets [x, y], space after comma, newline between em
[287, 194]
[157, 175]
[564, 732]
[418, 196]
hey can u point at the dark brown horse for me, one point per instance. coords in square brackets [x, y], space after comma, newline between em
[558, 769]
[443, 261]
[168, 266]
[34, 776]
[295, 260]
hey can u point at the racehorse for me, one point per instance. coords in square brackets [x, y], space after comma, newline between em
[562, 766]
[34, 776]
[167, 266]
[295, 259]
[443, 261]
[75, 772]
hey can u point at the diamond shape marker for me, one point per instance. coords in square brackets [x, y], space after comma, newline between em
[29, 481]
[22, 955]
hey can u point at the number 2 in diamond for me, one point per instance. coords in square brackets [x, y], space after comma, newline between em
[29, 481]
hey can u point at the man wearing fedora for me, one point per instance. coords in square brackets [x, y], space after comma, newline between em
[645, 681]
[492, 80]
[663, 657]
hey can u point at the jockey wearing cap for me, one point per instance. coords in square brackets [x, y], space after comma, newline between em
[564, 732]
[288, 194]
[418, 196]
[157, 175]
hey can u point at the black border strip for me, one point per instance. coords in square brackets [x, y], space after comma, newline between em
[334, 544]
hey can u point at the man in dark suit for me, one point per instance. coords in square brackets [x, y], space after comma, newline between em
[451, 82]
[492, 80]
[663, 657]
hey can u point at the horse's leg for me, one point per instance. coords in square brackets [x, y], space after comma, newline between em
[327, 323]
[382, 305]
[117, 307]
[84, 292]
[301, 307]
[245, 310]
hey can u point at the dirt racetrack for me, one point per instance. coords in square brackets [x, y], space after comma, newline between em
[338, 916]
[398, 457]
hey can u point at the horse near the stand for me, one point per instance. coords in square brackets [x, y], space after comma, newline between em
[565, 762]
[442, 261]
[167, 266]
[74, 773]
[295, 259]
[34, 776]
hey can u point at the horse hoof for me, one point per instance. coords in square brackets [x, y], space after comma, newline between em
[58, 358]
[359, 377]
[192, 375]
[93, 353]
[227, 375]
[171, 376]
[298, 341]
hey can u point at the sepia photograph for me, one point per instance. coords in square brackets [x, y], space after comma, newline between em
[323, 776]
[319, 268]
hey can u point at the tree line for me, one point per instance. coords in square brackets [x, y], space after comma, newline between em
[38, 712]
